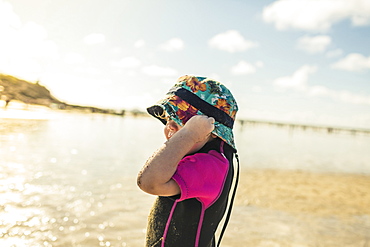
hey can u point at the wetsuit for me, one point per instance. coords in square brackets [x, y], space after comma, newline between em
[182, 221]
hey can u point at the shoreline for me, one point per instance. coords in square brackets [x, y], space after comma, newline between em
[25, 111]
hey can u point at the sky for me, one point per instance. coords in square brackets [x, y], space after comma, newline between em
[297, 61]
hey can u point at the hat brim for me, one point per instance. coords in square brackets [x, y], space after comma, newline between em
[164, 110]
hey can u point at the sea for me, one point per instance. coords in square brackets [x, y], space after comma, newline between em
[69, 179]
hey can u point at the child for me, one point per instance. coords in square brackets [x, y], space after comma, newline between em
[192, 172]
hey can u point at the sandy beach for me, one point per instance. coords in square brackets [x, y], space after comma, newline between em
[292, 208]
[284, 209]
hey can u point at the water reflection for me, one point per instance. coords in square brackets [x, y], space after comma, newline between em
[34, 214]
[22, 217]
[68, 184]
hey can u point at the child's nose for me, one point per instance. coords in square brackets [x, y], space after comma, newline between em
[172, 127]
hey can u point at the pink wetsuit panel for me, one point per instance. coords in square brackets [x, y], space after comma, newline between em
[202, 176]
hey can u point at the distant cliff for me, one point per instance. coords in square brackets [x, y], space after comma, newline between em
[12, 88]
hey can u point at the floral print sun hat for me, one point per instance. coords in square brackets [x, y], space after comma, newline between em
[194, 95]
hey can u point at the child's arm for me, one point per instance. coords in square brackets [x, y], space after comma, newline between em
[155, 177]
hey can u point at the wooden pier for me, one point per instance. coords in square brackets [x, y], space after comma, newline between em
[292, 126]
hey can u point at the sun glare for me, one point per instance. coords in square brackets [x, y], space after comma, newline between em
[19, 110]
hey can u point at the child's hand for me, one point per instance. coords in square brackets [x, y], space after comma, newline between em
[200, 127]
[156, 176]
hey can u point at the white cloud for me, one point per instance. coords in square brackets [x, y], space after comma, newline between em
[315, 44]
[231, 41]
[174, 44]
[23, 46]
[353, 62]
[8, 19]
[73, 58]
[154, 70]
[298, 80]
[244, 68]
[345, 96]
[37, 44]
[30, 40]
[316, 15]
[91, 87]
[94, 39]
[127, 62]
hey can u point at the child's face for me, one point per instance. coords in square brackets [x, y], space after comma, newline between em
[172, 127]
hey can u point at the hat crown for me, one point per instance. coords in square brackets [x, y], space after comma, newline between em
[211, 91]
